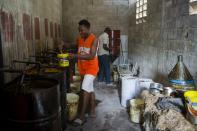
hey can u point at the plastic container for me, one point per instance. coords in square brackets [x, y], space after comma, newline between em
[72, 105]
[63, 60]
[62, 55]
[128, 91]
[191, 117]
[63, 63]
[136, 110]
[145, 82]
[191, 94]
[191, 97]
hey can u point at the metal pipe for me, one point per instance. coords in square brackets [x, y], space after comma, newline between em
[10, 70]
[37, 56]
[26, 62]
[38, 64]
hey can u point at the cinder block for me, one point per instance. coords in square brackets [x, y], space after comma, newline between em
[193, 21]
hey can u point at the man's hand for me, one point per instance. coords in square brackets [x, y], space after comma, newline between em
[105, 47]
[63, 46]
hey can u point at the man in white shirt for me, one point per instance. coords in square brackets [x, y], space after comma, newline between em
[104, 57]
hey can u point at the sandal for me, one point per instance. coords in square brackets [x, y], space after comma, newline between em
[78, 122]
[90, 116]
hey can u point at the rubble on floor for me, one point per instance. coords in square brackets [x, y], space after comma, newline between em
[170, 120]
[110, 115]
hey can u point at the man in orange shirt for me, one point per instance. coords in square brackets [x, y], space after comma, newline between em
[87, 66]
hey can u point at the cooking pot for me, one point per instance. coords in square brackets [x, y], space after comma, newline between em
[156, 88]
[168, 91]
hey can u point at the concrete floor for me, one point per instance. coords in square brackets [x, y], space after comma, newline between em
[110, 115]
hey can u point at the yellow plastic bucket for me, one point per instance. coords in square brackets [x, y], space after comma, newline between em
[191, 97]
[63, 62]
[62, 55]
[191, 94]
[136, 110]
[72, 105]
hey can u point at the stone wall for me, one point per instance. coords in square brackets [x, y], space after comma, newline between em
[20, 20]
[100, 13]
[168, 32]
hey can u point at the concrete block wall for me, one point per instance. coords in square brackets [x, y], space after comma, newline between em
[20, 48]
[101, 13]
[168, 32]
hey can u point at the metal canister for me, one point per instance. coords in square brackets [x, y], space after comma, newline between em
[180, 77]
[156, 88]
[168, 91]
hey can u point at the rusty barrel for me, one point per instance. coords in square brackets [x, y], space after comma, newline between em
[34, 106]
[59, 74]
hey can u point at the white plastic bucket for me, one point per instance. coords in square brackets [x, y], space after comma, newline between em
[128, 91]
[72, 105]
[136, 110]
[145, 82]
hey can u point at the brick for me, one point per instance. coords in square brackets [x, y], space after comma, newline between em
[193, 21]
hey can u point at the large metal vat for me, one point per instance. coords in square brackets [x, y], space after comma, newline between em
[32, 106]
